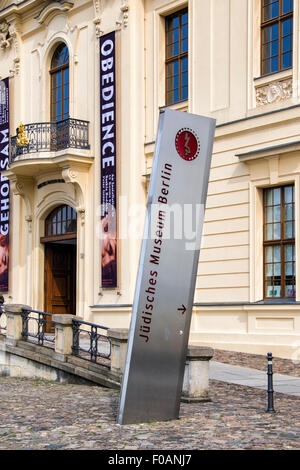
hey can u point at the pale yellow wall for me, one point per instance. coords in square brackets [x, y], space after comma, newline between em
[224, 70]
[30, 102]
[33, 46]
[224, 79]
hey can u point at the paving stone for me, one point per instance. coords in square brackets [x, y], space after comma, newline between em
[257, 361]
[42, 415]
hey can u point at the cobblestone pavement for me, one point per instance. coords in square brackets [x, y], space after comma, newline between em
[256, 361]
[36, 415]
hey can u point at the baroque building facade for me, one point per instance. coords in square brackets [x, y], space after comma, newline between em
[234, 60]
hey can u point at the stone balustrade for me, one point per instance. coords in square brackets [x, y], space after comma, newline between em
[196, 376]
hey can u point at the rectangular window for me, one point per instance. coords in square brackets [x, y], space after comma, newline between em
[276, 35]
[177, 57]
[279, 242]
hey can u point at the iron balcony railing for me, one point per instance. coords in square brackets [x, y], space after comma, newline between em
[51, 137]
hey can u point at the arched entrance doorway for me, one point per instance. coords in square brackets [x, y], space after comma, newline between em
[60, 260]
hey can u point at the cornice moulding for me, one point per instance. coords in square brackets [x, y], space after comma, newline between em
[19, 8]
[51, 10]
[270, 152]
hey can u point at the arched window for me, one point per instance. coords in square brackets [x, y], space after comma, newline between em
[60, 83]
[61, 221]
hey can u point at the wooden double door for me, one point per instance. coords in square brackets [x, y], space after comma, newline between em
[60, 278]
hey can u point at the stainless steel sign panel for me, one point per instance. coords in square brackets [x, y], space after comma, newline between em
[162, 308]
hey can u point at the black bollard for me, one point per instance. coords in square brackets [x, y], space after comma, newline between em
[270, 385]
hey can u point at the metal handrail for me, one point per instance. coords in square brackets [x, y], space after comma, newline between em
[52, 137]
[98, 346]
[89, 341]
[40, 337]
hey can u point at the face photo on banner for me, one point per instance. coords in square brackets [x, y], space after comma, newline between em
[4, 184]
[4, 249]
[108, 251]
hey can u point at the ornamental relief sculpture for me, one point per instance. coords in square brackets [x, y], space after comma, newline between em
[10, 37]
[122, 20]
[5, 37]
[124, 10]
[274, 92]
[97, 19]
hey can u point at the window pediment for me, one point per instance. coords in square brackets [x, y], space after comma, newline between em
[272, 151]
[51, 10]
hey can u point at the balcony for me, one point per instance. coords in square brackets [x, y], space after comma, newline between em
[45, 148]
[51, 137]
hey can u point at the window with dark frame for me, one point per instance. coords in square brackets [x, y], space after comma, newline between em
[60, 84]
[61, 221]
[177, 57]
[276, 35]
[279, 242]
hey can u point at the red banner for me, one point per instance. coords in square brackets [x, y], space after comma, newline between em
[4, 184]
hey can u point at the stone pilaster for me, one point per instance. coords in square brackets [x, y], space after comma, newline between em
[63, 335]
[118, 338]
[14, 322]
[196, 374]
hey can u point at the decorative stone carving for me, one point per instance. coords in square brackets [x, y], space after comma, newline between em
[50, 10]
[16, 185]
[69, 175]
[97, 7]
[97, 19]
[97, 22]
[77, 178]
[28, 219]
[81, 213]
[16, 66]
[22, 186]
[18, 189]
[10, 36]
[5, 36]
[274, 92]
[124, 9]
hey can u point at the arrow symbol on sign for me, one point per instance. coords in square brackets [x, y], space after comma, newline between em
[182, 309]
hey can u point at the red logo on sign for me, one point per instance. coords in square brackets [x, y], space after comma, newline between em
[187, 144]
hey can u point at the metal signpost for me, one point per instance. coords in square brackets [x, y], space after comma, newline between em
[162, 308]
